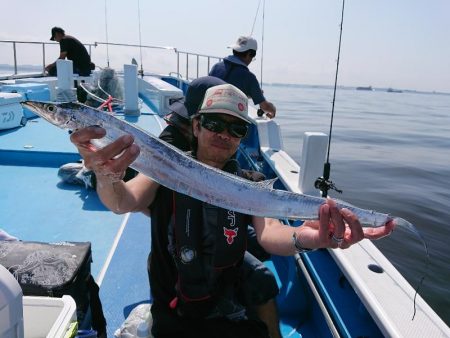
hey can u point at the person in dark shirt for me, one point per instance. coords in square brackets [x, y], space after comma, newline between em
[72, 49]
[234, 69]
[262, 287]
[198, 281]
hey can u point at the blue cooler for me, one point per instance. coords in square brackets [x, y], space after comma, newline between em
[29, 91]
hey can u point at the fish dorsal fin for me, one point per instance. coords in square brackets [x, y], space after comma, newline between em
[268, 183]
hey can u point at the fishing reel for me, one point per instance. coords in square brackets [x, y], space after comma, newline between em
[325, 185]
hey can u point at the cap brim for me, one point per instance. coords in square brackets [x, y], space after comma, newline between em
[224, 111]
[238, 48]
[179, 108]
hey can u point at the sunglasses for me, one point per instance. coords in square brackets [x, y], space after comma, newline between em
[217, 125]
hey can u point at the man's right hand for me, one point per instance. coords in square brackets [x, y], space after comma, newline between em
[268, 108]
[109, 162]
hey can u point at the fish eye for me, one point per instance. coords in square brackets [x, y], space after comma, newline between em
[51, 108]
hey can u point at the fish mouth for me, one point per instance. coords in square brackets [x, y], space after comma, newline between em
[34, 106]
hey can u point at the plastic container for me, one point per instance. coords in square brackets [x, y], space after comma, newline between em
[48, 316]
[11, 313]
[29, 91]
[161, 94]
[11, 112]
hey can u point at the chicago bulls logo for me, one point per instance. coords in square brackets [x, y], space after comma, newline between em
[230, 234]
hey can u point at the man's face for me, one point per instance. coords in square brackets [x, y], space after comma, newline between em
[216, 147]
[58, 37]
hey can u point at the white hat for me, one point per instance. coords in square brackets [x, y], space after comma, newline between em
[225, 99]
[244, 43]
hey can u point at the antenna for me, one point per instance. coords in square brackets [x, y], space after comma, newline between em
[323, 183]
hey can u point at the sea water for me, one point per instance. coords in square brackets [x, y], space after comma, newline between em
[389, 152]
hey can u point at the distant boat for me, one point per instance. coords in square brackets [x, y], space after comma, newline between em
[391, 90]
[365, 88]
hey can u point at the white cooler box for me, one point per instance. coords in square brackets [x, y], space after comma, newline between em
[48, 316]
[161, 93]
[11, 112]
[29, 91]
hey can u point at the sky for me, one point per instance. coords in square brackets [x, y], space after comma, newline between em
[402, 44]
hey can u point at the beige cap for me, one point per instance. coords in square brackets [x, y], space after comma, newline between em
[225, 99]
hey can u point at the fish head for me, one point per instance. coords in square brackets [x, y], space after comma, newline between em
[63, 115]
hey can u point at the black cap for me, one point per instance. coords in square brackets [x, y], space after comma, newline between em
[56, 30]
[194, 96]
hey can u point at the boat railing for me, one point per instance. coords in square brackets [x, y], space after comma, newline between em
[15, 43]
[180, 55]
[191, 65]
[198, 58]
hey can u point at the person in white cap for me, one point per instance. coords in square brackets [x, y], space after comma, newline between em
[234, 69]
[198, 283]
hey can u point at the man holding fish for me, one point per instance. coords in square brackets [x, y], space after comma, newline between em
[197, 248]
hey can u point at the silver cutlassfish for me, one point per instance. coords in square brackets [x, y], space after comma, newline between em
[172, 168]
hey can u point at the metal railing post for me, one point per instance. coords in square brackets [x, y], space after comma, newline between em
[187, 66]
[208, 64]
[178, 63]
[198, 57]
[15, 58]
[43, 57]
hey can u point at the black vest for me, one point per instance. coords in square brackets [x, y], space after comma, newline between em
[208, 244]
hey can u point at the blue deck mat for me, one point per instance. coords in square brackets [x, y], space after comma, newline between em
[125, 283]
[36, 206]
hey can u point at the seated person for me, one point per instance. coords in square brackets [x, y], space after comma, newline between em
[72, 49]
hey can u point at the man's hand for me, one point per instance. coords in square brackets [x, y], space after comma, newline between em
[268, 108]
[109, 162]
[338, 229]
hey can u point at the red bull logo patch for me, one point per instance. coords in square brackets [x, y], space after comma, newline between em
[230, 234]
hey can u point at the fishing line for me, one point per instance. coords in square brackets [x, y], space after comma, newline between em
[106, 30]
[254, 20]
[140, 38]
[405, 224]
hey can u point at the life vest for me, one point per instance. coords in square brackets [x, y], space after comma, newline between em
[208, 245]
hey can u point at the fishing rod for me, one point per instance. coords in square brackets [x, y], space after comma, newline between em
[141, 71]
[260, 112]
[106, 32]
[323, 183]
[262, 43]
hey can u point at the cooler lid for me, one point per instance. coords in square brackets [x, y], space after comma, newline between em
[10, 98]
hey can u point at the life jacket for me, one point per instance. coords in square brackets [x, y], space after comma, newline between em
[208, 245]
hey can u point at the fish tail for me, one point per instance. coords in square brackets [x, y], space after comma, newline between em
[407, 225]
